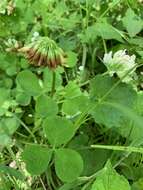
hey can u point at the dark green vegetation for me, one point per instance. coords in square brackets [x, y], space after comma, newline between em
[83, 128]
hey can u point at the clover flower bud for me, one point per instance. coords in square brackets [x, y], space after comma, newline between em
[44, 52]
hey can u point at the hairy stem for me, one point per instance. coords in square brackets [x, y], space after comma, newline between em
[53, 83]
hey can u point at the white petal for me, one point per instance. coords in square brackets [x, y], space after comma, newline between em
[107, 57]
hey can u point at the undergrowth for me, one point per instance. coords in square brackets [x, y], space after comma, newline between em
[71, 99]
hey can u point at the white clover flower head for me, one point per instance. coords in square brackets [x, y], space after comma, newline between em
[107, 57]
[120, 63]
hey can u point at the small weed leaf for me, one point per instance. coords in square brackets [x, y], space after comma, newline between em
[75, 106]
[131, 19]
[123, 95]
[29, 83]
[7, 127]
[23, 98]
[58, 130]
[102, 29]
[37, 159]
[71, 59]
[4, 95]
[68, 164]
[72, 90]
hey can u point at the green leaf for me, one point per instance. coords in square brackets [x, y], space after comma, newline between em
[37, 158]
[131, 128]
[60, 9]
[4, 139]
[4, 100]
[108, 114]
[139, 105]
[29, 83]
[92, 160]
[11, 70]
[4, 95]
[46, 106]
[24, 63]
[138, 41]
[70, 186]
[109, 179]
[138, 185]
[71, 59]
[23, 98]
[7, 82]
[72, 90]
[58, 130]
[71, 22]
[102, 29]
[107, 31]
[67, 44]
[75, 105]
[70, 107]
[7, 127]
[68, 164]
[132, 22]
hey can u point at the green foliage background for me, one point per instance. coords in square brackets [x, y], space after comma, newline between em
[47, 142]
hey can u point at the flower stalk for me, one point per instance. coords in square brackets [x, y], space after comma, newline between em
[53, 83]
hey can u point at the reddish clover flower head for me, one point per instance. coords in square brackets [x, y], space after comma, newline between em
[44, 52]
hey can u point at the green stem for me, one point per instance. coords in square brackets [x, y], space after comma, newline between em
[53, 83]
[48, 180]
[51, 179]
[84, 55]
[119, 148]
[44, 188]
[104, 45]
[108, 9]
